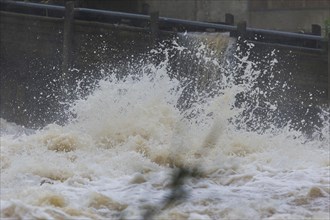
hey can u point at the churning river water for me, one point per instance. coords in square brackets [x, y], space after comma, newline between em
[116, 156]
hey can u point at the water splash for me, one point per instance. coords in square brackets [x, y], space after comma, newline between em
[179, 106]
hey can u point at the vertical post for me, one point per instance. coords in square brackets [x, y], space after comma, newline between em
[154, 26]
[329, 68]
[241, 29]
[229, 19]
[67, 38]
[316, 29]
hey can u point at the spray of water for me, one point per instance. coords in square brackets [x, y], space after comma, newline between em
[181, 106]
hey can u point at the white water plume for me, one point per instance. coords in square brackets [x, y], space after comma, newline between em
[112, 160]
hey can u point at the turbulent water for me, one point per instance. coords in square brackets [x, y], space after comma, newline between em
[116, 156]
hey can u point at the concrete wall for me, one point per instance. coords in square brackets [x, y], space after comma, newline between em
[31, 58]
[31, 62]
[289, 20]
[266, 14]
[214, 11]
[206, 10]
[286, 15]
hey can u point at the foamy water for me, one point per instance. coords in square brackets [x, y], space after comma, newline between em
[115, 156]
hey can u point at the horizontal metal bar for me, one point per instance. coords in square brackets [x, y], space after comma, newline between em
[197, 24]
[114, 14]
[162, 20]
[287, 46]
[84, 13]
[285, 34]
[29, 5]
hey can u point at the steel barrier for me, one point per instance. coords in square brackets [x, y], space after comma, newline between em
[308, 41]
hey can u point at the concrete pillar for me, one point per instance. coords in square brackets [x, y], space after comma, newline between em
[154, 26]
[67, 38]
[241, 29]
[329, 68]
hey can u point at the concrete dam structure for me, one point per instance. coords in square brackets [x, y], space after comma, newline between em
[34, 54]
[114, 115]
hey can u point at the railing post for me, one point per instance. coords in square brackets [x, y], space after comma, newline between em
[316, 29]
[241, 29]
[67, 38]
[229, 19]
[329, 68]
[154, 26]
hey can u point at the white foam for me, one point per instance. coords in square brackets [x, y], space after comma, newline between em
[115, 157]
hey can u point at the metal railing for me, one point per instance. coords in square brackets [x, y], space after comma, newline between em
[289, 39]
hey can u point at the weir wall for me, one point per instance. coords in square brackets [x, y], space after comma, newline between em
[285, 15]
[31, 61]
[31, 64]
